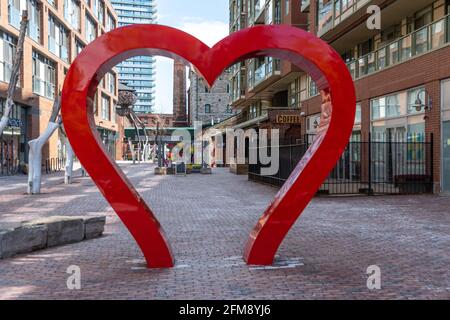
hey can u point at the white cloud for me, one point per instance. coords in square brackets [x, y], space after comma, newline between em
[210, 32]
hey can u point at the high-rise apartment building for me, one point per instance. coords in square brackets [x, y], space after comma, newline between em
[138, 72]
[58, 30]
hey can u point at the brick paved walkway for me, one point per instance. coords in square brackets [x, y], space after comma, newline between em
[207, 219]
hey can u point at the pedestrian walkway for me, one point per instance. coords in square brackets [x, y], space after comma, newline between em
[207, 219]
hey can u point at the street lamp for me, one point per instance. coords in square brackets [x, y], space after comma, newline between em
[426, 105]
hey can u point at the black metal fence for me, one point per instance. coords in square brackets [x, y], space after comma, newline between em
[366, 167]
[53, 165]
[10, 167]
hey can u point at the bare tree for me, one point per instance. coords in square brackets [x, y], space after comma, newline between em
[36, 145]
[15, 72]
[68, 167]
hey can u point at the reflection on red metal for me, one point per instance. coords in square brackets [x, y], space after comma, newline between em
[302, 48]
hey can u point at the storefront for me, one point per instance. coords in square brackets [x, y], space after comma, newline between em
[109, 139]
[13, 141]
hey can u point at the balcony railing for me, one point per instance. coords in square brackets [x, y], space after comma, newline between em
[334, 12]
[264, 71]
[430, 37]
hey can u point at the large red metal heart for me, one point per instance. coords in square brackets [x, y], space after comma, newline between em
[311, 54]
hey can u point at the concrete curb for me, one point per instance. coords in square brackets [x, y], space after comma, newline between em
[28, 236]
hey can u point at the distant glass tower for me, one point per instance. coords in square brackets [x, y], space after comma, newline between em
[139, 72]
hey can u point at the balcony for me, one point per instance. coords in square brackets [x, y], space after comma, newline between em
[305, 5]
[256, 16]
[263, 72]
[334, 12]
[431, 37]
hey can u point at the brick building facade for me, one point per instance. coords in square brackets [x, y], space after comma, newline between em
[401, 72]
[210, 106]
[58, 30]
[179, 94]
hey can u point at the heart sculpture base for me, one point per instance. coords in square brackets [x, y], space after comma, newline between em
[309, 53]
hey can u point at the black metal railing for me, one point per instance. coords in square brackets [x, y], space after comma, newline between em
[9, 166]
[366, 167]
[9, 158]
[53, 165]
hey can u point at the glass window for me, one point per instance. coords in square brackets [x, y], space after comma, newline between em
[378, 107]
[110, 23]
[207, 108]
[446, 95]
[392, 106]
[324, 14]
[106, 110]
[358, 113]
[79, 46]
[313, 90]
[91, 29]
[7, 51]
[44, 76]
[58, 39]
[72, 13]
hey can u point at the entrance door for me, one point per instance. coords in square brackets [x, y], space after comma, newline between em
[446, 156]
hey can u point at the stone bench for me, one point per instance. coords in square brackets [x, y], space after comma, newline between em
[28, 236]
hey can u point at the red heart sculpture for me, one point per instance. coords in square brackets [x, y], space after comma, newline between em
[311, 54]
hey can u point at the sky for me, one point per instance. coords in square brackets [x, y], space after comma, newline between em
[205, 19]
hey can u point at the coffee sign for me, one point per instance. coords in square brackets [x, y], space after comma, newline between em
[288, 119]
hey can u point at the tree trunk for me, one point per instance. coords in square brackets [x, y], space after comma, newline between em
[35, 159]
[36, 145]
[68, 167]
[17, 61]
[68, 174]
[133, 152]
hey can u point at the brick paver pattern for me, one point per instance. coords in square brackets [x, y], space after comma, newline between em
[207, 220]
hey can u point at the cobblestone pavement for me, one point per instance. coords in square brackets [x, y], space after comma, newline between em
[207, 220]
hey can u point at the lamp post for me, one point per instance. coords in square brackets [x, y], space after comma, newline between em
[426, 105]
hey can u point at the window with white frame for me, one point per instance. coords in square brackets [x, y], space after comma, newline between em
[358, 113]
[110, 22]
[7, 50]
[91, 29]
[58, 39]
[106, 110]
[44, 76]
[72, 13]
[15, 10]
